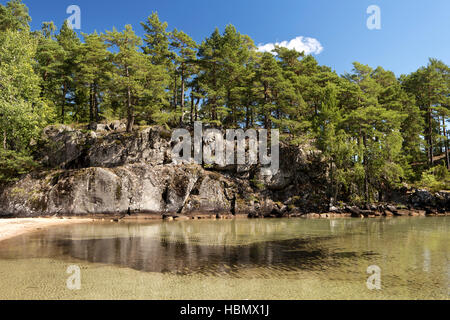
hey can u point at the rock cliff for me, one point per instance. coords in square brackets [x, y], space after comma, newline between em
[103, 170]
[108, 171]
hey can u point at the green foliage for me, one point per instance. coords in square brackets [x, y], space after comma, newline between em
[14, 164]
[257, 184]
[430, 87]
[22, 111]
[14, 16]
[139, 84]
[94, 71]
[374, 130]
[157, 40]
[435, 179]
[66, 86]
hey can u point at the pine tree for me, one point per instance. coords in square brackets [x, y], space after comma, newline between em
[270, 80]
[94, 70]
[14, 16]
[378, 134]
[430, 87]
[157, 41]
[184, 49]
[70, 43]
[50, 58]
[393, 97]
[334, 142]
[209, 60]
[140, 84]
[127, 62]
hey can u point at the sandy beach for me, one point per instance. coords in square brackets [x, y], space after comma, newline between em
[14, 227]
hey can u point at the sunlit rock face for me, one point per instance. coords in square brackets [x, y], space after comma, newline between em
[109, 171]
[136, 188]
[67, 148]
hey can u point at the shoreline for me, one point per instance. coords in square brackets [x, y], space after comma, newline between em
[13, 227]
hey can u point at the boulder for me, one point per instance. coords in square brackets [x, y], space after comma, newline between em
[355, 211]
[392, 209]
[208, 195]
[421, 198]
[388, 213]
[402, 212]
[334, 209]
[367, 213]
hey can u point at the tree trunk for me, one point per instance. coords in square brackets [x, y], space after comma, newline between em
[441, 143]
[430, 129]
[247, 111]
[196, 109]
[192, 106]
[91, 103]
[95, 102]
[63, 111]
[430, 136]
[175, 94]
[4, 139]
[366, 173]
[447, 157]
[214, 100]
[247, 116]
[233, 108]
[130, 111]
[267, 124]
[182, 95]
[331, 191]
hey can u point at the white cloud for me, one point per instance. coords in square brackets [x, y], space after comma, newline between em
[300, 44]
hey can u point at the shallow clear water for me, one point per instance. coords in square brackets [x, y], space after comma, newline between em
[279, 258]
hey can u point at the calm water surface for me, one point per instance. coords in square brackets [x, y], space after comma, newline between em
[412, 253]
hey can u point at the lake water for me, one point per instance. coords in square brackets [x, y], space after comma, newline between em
[232, 259]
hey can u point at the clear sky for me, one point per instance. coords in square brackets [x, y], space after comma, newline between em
[411, 30]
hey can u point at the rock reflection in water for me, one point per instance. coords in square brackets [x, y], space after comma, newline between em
[413, 247]
[175, 257]
[206, 247]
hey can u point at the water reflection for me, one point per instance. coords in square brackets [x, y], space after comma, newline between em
[405, 249]
[426, 260]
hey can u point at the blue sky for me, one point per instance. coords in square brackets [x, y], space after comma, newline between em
[411, 30]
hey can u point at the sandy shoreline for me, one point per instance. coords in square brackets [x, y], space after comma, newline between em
[14, 227]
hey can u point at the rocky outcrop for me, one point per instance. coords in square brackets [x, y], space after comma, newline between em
[108, 171]
[68, 148]
[414, 203]
[432, 203]
[135, 187]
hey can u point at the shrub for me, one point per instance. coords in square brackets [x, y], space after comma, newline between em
[14, 164]
[436, 179]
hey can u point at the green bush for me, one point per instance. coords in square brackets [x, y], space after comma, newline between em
[436, 179]
[14, 164]
[257, 184]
